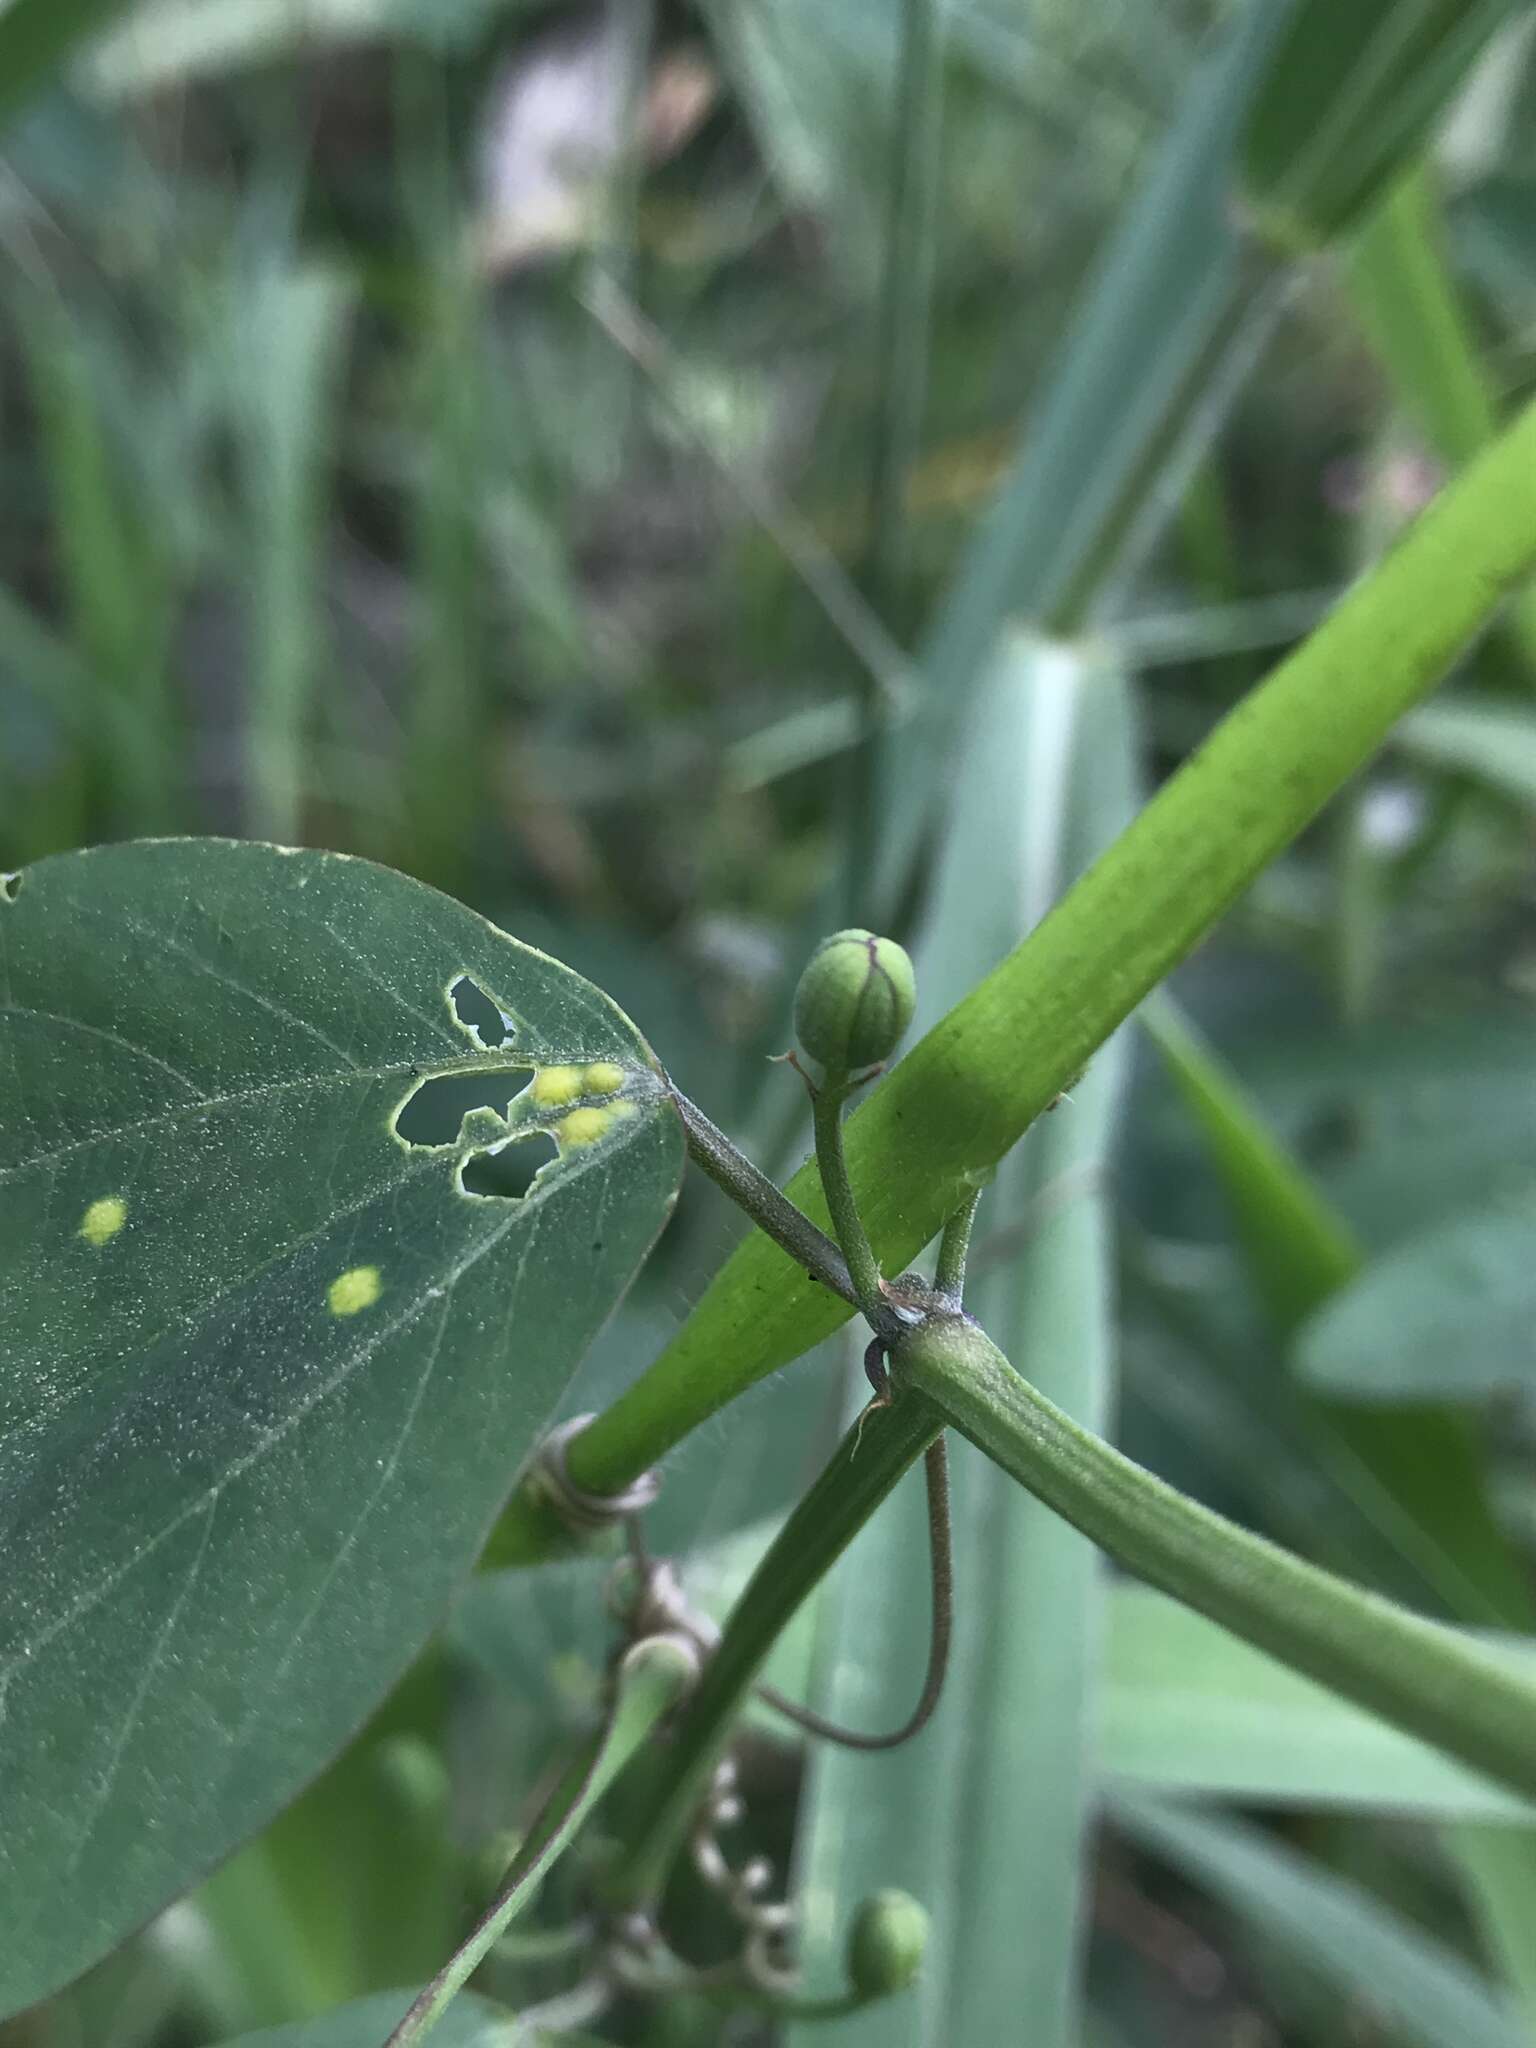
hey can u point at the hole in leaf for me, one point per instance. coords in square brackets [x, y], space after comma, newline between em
[509, 1171]
[432, 1113]
[480, 1017]
[10, 888]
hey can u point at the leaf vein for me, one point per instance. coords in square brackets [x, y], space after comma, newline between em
[112, 1037]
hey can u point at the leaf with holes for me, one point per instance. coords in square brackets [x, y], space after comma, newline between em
[279, 1319]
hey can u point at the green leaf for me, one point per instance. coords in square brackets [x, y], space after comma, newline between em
[1447, 1314]
[269, 1368]
[1190, 1708]
[1358, 1945]
[1350, 98]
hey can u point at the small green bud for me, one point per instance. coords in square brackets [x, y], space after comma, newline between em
[886, 1943]
[855, 999]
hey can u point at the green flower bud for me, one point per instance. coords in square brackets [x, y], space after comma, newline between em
[855, 999]
[886, 1943]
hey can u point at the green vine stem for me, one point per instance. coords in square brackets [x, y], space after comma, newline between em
[963, 1096]
[941, 1594]
[1444, 1687]
[955, 1250]
[861, 1472]
[652, 1676]
[863, 1267]
[770, 1209]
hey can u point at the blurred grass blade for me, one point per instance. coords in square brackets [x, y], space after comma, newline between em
[1498, 1872]
[286, 335]
[1365, 1951]
[1494, 741]
[357, 1887]
[1031, 1769]
[1171, 319]
[904, 321]
[1410, 310]
[1448, 1314]
[1400, 280]
[36, 36]
[446, 757]
[1299, 1255]
[1046, 781]
[1298, 1250]
[114, 574]
[1451, 1305]
[1349, 99]
[1191, 1710]
[906, 292]
[171, 43]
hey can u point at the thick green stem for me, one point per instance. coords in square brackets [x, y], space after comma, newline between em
[863, 1469]
[1442, 1686]
[963, 1096]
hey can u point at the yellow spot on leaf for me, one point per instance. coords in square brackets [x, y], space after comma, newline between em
[554, 1085]
[104, 1219]
[358, 1288]
[584, 1126]
[604, 1078]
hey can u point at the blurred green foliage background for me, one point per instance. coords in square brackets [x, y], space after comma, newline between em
[495, 438]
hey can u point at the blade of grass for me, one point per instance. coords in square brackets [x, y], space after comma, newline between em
[1405, 296]
[286, 336]
[1349, 101]
[1408, 305]
[904, 316]
[1492, 740]
[1424, 1458]
[964, 1095]
[1173, 316]
[1498, 1874]
[1299, 1253]
[446, 753]
[1045, 782]
[36, 36]
[1032, 1715]
[1191, 1711]
[1364, 1949]
[115, 582]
